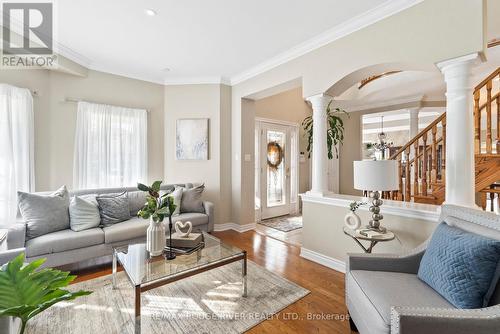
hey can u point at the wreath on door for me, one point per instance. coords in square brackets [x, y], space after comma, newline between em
[274, 155]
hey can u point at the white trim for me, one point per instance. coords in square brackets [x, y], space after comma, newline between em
[324, 260]
[276, 121]
[386, 9]
[473, 57]
[234, 227]
[197, 81]
[360, 105]
[427, 212]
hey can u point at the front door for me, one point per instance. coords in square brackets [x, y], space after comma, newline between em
[275, 152]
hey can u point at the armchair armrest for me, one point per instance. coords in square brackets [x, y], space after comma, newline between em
[402, 263]
[6, 256]
[209, 210]
[444, 321]
[16, 236]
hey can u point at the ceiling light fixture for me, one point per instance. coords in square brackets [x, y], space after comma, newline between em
[150, 12]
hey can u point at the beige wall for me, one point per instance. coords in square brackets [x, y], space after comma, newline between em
[201, 101]
[420, 36]
[323, 231]
[55, 120]
[289, 106]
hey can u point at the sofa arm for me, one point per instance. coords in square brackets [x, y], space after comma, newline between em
[209, 210]
[16, 235]
[402, 263]
[6, 256]
[406, 320]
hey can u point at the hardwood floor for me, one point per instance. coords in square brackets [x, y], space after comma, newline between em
[322, 311]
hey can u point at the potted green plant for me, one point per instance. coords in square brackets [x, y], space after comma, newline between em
[334, 133]
[156, 209]
[26, 291]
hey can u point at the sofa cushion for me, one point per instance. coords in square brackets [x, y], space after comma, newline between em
[191, 200]
[462, 266]
[64, 240]
[83, 213]
[195, 219]
[114, 208]
[372, 293]
[44, 213]
[130, 229]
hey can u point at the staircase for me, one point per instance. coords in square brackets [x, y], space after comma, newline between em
[422, 160]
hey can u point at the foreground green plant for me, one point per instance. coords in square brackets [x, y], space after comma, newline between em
[157, 207]
[26, 291]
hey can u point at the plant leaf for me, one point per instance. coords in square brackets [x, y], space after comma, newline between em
[25, 292]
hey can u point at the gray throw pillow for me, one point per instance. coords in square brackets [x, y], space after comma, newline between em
[191, 199]
[177, 195]
[84, 213]
[44, 213]
[136, 201]
[113, 208]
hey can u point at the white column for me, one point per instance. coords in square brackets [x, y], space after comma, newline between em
[413, 129]
[460, 178]
[319, 154]
[413, 121]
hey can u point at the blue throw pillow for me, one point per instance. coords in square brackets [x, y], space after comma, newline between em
[462, 267]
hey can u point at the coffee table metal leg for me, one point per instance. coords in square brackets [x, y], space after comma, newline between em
[244, 274]
[114, 269]
[137, 312]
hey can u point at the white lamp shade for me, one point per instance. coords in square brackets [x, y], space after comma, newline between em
[376, 175]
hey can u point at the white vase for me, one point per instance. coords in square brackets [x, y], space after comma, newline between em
[155, 238]
[352, 221]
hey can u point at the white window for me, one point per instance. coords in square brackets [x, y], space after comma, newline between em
[110, 146]
[16, 148]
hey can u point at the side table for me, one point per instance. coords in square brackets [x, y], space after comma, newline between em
[356, 236]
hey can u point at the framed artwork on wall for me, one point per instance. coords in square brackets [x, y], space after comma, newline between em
[191, 139]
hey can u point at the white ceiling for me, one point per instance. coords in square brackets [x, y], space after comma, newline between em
[200, 40]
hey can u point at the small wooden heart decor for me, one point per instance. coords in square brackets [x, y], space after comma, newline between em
[180, 226]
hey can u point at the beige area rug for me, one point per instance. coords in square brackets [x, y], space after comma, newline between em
[210, 302]
[284, 224]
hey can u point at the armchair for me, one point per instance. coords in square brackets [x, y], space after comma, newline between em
[384, 294]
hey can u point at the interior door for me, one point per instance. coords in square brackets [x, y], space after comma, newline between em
[275, 170]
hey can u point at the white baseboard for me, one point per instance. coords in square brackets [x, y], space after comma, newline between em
[234, 227]
[324, 260]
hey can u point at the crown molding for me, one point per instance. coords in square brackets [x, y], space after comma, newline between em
[218, 80]
[386, 9]
[359, 22]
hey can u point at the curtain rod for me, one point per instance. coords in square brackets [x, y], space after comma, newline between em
[73, 100]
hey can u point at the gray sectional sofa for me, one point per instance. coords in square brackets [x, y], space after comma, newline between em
[67, 246]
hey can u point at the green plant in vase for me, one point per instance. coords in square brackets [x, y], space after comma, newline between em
[156, 208]
[26, 291]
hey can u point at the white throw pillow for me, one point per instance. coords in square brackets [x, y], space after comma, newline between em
[177, 195]
[83, 213]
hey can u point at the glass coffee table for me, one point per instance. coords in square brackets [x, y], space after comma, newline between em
[145, 272]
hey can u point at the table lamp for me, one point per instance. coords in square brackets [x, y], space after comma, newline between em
[376, 176]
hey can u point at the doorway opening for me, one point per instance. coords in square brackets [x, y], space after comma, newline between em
[276, 172]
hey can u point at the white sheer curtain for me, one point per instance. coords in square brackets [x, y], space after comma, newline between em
[110, 146]
[16, 148]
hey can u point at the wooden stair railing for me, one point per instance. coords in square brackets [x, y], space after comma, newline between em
[422, 160]
[421, 163]
[487, 107]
